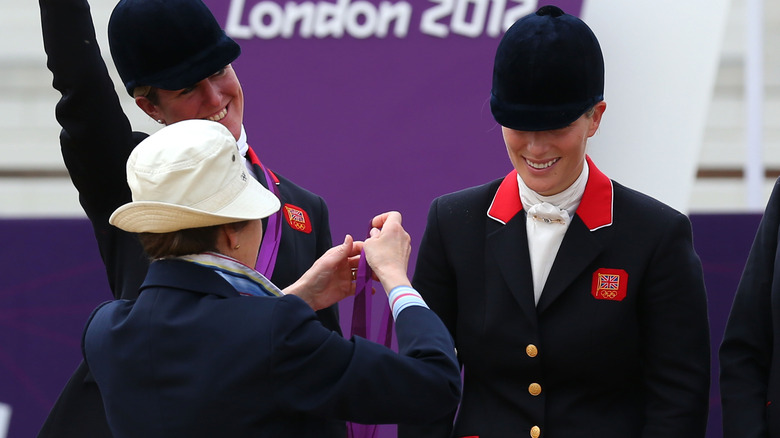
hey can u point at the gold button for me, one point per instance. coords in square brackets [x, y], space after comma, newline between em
[535, 389]
[531, 350]
[535, 432]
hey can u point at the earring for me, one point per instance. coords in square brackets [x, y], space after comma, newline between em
[237, 246]
[160, 121]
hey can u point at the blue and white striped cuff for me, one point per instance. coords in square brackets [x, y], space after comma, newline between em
[402, 297]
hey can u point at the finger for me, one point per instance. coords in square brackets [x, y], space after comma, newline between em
[343, 250]
[348, 241]
[357, 246]
[380, 220]
[354, 260]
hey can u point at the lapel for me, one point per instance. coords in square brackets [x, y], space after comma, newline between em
[259, 168]
[578, 249]
[508, 241]
[508, 244]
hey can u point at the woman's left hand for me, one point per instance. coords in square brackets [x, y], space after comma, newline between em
[330, 279]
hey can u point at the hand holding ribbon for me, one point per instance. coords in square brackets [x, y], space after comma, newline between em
[329, 280]
[389, 253]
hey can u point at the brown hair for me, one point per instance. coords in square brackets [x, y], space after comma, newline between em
[183, 242]
[148, 92]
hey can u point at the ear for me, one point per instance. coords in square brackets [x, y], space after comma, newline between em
[227, 239]
[149, 108]
[595, 119]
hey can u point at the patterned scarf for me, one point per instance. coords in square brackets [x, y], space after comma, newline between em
[244, 279]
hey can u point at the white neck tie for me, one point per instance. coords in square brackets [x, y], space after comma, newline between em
[545, 225]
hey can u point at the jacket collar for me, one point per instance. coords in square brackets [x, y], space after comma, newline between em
[252, 157]
[180, 274]
[595, 209]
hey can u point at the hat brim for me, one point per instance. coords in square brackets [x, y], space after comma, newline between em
[192, 70]
[254, 202]
[538, 117]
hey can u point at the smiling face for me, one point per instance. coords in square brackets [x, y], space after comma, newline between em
[550, 161]
[218, 98]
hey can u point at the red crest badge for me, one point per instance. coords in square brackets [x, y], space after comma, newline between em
[297, 218]
[609, 284]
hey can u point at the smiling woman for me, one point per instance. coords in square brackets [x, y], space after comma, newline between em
[565, 291]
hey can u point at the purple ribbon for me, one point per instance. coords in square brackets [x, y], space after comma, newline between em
[361, 326]
[269, 248]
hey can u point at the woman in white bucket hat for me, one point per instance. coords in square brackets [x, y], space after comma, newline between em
[212, 348]
[174, 59]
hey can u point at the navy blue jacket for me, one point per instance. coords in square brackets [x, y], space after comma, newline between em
[96, 140]
[618, 345]
[192, 358]
[749, 367]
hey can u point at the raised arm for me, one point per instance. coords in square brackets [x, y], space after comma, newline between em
[96, 136]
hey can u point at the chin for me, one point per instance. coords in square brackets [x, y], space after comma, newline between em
[233, 127]
[545, 190]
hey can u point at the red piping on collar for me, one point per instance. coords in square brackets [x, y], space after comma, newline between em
[254, 160]
[506, 202]
[595, 209]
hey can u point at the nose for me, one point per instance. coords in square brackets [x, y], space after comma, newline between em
[210, 92]
[535, 142]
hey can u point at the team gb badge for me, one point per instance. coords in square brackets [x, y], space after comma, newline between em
[297, 218]
[609, 284]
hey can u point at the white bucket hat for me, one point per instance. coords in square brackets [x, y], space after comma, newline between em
[190, 175]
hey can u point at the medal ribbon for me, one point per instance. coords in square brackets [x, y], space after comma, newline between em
[361, 326]
[269, 248]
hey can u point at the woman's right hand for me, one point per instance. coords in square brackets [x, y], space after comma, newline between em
[388, 249]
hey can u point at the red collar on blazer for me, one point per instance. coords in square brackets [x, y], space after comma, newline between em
[254, 160]
[595, 209]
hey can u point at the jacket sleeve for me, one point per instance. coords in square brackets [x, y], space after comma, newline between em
[674, 338]
[747, 347]
[319, 372]
[434, 279]
[96, 137]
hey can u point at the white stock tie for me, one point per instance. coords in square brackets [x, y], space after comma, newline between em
[545, 225]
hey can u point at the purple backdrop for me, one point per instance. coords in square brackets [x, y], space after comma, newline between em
[52, 277]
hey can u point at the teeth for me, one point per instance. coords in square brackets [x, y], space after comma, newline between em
[219, 116]
[542, 165]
